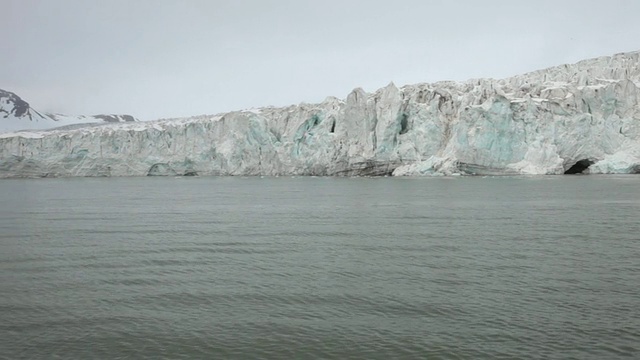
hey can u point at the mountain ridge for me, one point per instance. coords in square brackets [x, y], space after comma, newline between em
[17, 115]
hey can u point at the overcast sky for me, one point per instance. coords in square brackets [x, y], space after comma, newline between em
[170, 58]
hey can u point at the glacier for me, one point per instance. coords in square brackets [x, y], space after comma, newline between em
[577, 118]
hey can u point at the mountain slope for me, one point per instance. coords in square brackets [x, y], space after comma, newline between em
[583, 117]
[16, 114]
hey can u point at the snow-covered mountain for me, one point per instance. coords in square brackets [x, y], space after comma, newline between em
[583, 117]
[16, 114]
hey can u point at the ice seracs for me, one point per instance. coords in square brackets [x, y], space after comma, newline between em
[543, 122]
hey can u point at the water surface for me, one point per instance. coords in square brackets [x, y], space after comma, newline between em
[333, 268]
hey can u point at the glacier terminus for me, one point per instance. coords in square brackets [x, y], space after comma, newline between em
[579, 118]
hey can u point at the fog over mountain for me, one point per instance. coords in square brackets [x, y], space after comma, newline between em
[16, 114]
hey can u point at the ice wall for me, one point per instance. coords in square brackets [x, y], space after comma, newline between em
[543, 122]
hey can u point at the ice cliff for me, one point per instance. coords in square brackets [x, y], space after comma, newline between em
[575, 118]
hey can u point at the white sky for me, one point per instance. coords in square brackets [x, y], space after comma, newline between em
[169, 58]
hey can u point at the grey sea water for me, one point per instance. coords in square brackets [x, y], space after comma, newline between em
[331, 268]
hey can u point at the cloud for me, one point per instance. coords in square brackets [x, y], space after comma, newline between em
[166, 58]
